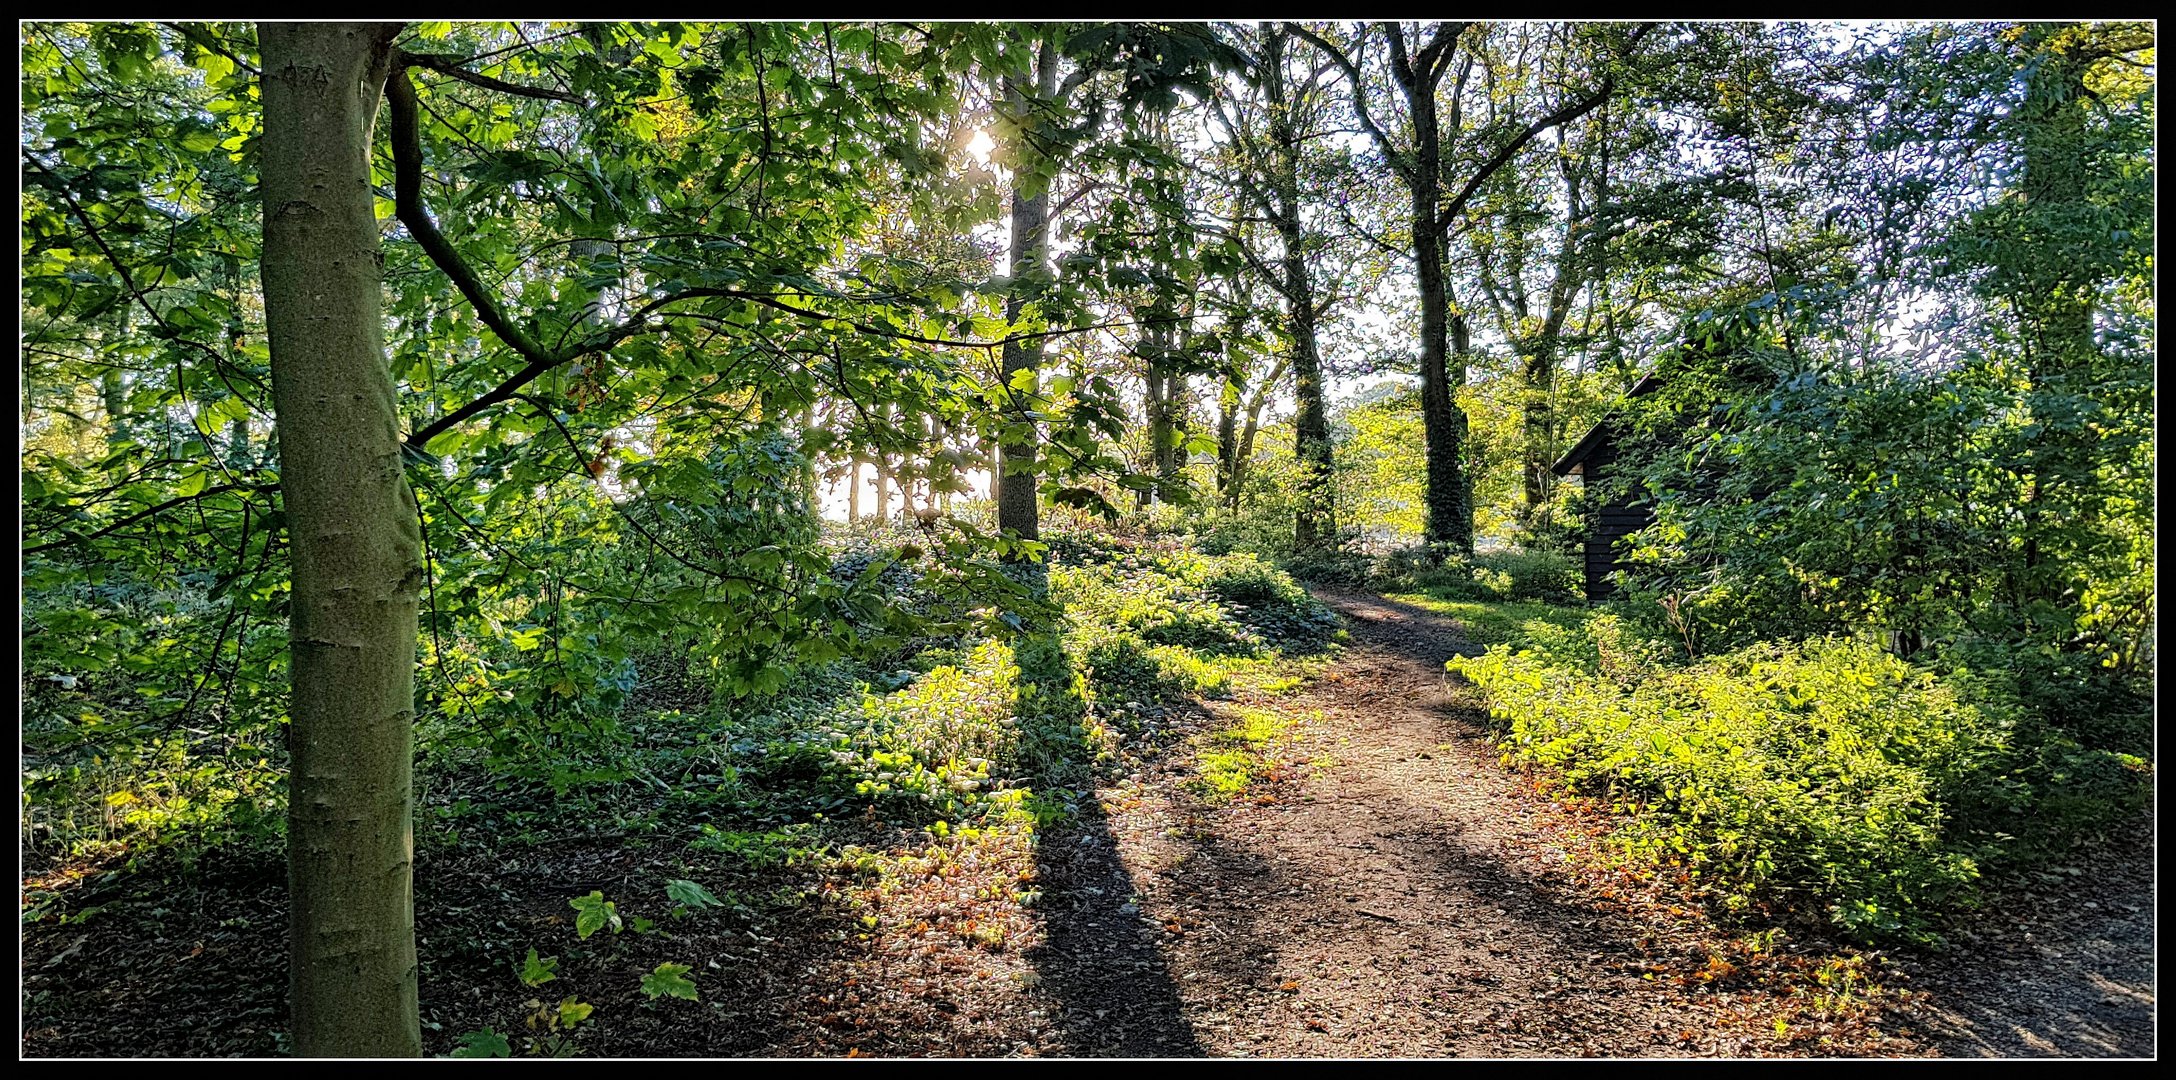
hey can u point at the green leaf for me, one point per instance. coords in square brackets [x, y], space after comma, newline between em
[691, 894]
[192, 483]
[594, 913]
[572, 1012]
[225, 411]
[669, 980]
[483, 1044]
[537, 972]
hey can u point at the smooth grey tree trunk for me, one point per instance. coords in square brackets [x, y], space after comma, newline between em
[355, 544]
[853, 488]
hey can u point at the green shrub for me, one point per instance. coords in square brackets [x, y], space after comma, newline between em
[1249, 581]
[1830, 770]
[2099, 707]
[1511, 574]
[1335, 567]
[1535, 574]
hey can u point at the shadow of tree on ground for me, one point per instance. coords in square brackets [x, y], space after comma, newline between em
[1099, 960]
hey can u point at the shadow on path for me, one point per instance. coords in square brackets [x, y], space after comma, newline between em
[1099, 961]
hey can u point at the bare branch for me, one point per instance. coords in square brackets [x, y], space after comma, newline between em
[1390, 149]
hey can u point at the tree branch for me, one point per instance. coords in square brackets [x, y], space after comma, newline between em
[203, 39]
[400, 96]
[1563, 116]
[1568, 113]
[78, 538]
[1359, 95]
[447, 65]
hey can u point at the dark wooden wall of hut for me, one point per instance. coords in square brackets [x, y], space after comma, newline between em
[1613, 521]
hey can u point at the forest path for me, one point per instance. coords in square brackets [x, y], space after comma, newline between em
[1394, 891]
[1386, 898]
[1384, 887]
[2061, 965]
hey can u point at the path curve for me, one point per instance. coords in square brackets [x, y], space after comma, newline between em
[1400, 897]
[1385, 903]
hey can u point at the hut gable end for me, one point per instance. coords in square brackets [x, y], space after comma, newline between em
[1593, 459]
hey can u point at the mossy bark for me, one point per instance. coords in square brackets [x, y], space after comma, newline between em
[1314, 527]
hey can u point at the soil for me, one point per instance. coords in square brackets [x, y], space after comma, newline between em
[1385, 888]
[2061, 966]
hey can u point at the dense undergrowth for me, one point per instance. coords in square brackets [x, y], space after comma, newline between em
[1819, 778]
[958, 747]
[964, 705]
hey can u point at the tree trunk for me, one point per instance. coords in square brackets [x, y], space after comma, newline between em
[883, 480]
[114, 393]
[811, 494]
[355, 544]
[1448, 493]
[1537, 424]
[1170, 444]
[1017, 511]
[853, 488]
[1314, 526]
[238, 443]
[1243, 460]
[911, 475]
[1156, 407]
[1227, 443]
[947, 440]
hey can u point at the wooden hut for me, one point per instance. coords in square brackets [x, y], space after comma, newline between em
[1592, 459]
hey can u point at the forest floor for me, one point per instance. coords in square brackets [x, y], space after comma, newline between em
[1368, 880]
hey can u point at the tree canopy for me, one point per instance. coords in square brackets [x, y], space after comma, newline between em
[636, 313]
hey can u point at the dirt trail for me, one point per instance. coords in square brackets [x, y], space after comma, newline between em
[2061, 968]
[1388, 889]
[1399, 897]
[1384, 904]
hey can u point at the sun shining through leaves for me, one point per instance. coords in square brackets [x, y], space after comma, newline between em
[811, 538]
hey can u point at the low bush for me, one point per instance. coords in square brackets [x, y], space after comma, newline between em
[1334, 567]
[1829, 771]
[1536, 574]
[1142, 627]
[1154, 624]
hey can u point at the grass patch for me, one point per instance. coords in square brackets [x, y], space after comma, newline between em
[1227, 761]
[1501, 622]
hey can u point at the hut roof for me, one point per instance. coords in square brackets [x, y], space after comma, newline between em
[1575, 459]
